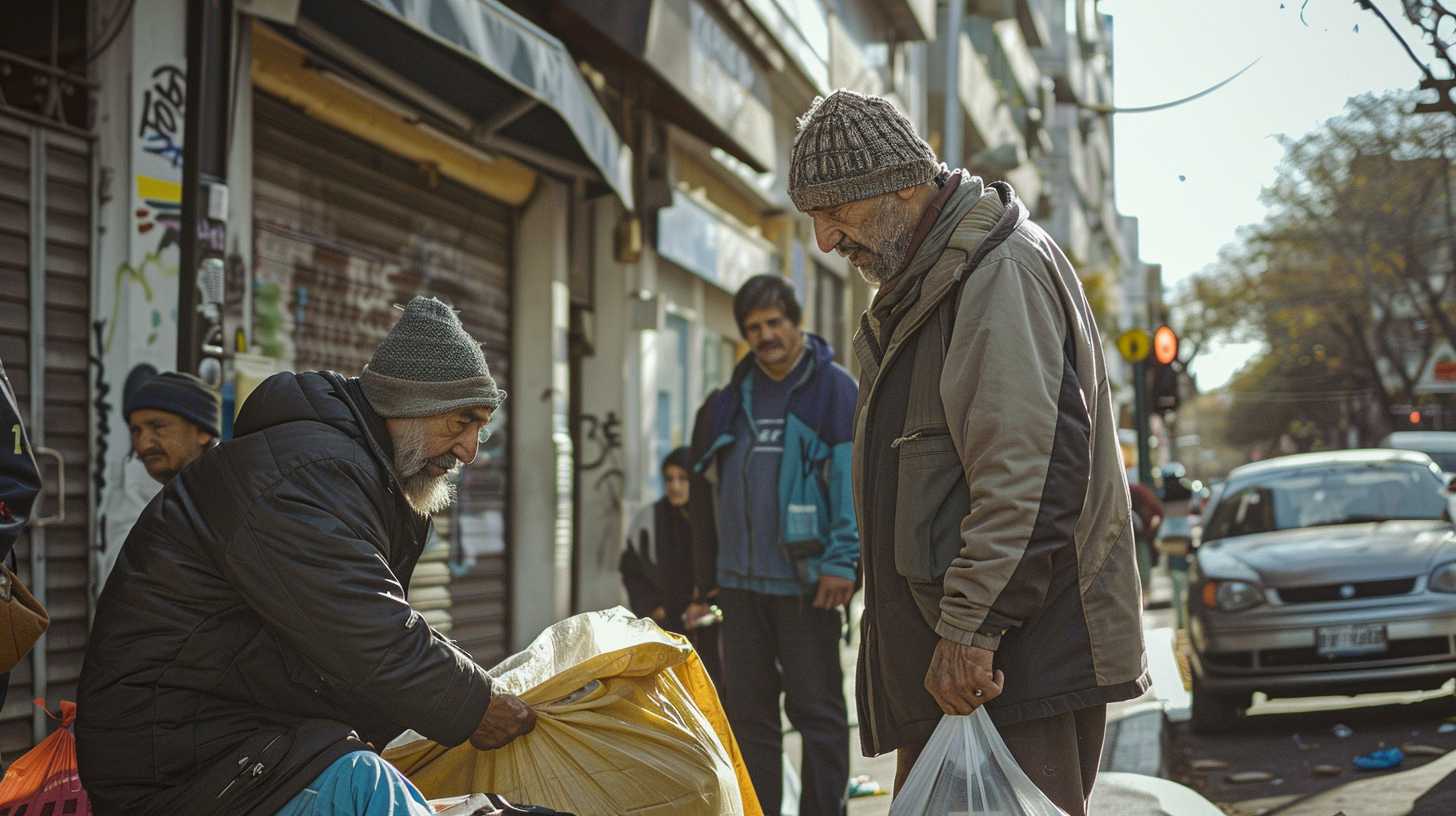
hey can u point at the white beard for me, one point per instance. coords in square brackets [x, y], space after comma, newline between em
[425, 494]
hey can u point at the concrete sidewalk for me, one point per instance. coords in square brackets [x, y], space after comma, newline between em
[1133, 756]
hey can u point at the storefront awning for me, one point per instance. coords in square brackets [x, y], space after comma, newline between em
[529, 101]
[708, 80]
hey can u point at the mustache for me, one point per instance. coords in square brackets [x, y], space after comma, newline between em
[769, 344]
[846, 247]
[446, 462]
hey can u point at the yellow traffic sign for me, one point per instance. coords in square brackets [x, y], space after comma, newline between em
[1135, 345]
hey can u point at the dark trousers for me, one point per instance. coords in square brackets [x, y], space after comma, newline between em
[1061, 754]
[705, 642]
[774, 644]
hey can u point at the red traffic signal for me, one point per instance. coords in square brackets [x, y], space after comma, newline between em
[1165, 345]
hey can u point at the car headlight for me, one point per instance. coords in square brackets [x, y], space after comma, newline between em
[1232, 596]
[1443, 578]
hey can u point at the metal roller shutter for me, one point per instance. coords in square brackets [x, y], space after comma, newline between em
[344, 231]
[45, 289]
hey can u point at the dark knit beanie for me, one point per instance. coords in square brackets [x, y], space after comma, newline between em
[427, 365]
[181, 394]
[851, 146]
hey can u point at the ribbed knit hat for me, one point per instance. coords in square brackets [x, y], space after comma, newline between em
[181, 394]
[851, 146]
[427, 365]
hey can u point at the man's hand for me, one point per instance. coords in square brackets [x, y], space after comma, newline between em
[659, 615]
[506, 718]
[695, 611]
[957, 673]
[833, 592]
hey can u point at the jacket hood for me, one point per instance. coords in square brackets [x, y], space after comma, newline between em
[1335, 554]
[315, 396]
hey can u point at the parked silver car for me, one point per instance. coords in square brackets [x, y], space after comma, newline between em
[1323, 573]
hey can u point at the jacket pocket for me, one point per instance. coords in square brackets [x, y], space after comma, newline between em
[930, 502]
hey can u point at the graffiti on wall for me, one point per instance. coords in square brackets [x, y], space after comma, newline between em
[158, 219]
[163, 109]
[135, 311]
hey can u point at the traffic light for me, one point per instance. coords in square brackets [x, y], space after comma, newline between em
[1164, 386]
[1163, 370]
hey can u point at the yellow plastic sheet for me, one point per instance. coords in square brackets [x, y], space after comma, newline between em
[627, 722]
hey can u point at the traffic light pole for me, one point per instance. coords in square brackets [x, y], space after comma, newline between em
[1140, 416]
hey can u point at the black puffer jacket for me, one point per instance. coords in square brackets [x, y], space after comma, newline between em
[255, 627]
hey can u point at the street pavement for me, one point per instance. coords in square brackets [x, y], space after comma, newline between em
[1135, 739]
[1289, 739]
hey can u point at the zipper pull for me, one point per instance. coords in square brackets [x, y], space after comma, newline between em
[903, 439]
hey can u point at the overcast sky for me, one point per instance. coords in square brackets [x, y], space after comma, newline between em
[1221, 145]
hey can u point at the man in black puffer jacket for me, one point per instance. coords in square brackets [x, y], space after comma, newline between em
[254, 640]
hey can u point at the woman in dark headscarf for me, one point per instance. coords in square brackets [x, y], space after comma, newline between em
[657, 563]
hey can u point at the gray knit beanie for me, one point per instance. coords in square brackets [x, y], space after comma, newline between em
[851, 146]
[428, 365]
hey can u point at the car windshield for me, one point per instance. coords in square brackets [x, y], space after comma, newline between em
[1326, 495]
[1444, 460]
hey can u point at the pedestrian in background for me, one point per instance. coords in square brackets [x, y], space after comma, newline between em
[173, 420]
[777, 521]
[657, 564]
[998, 557]
[1147, 517]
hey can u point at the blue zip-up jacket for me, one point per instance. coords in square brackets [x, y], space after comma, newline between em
[816, 503]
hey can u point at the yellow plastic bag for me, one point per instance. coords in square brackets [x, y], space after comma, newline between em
[627, 722]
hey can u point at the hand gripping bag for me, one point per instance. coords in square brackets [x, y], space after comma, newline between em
[46, 778]
[966, 770]
[627, 722]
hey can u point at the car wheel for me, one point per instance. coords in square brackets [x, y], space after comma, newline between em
[1213, 712]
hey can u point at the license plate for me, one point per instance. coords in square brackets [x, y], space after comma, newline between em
[1350, 640]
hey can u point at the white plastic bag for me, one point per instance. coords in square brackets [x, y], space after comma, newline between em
[966, 770]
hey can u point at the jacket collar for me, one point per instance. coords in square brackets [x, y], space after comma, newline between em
[941, 264]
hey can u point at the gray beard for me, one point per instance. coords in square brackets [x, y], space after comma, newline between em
[890, 253]
[425, 494]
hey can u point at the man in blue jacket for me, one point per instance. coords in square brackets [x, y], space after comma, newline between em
[775, 516]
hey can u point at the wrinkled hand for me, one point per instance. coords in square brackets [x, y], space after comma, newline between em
[506, 718]
[833, 592]
[956, 671]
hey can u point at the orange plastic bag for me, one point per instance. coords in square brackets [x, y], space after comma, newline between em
[47, 774]
[628, 722]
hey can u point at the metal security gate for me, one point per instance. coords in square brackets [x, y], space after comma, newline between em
[343, 231]
[45, 307]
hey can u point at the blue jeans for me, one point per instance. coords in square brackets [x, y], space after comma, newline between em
[359, 784]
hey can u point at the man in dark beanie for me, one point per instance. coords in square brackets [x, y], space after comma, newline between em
[998, 550]
[254, 641]
[173, 419]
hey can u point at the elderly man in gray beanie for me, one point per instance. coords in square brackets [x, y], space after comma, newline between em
[254, 641]
[997, 546]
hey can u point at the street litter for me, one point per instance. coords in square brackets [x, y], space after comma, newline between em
[1342, 731]
[1416, 749]
[1204, 765]
[1328, 770]
[966, 768]
[1381, 760]
[628, 722]
[862, 786]
[1247, 777]
[1446, 728]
